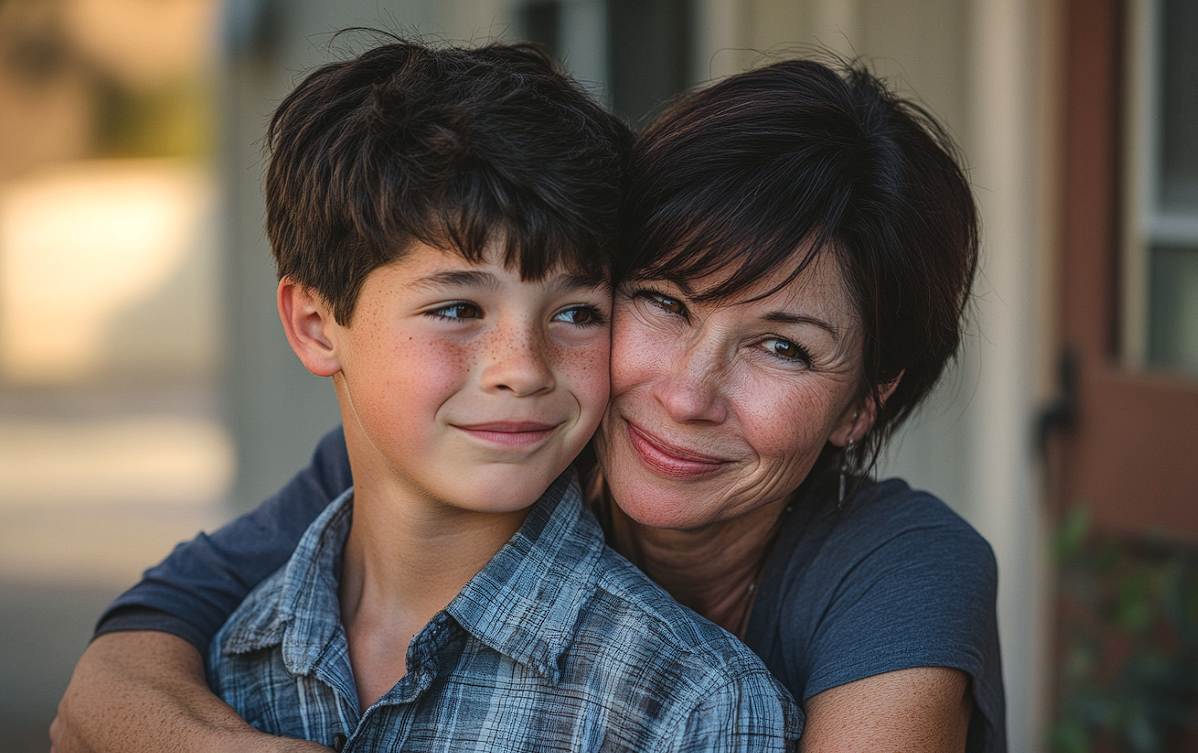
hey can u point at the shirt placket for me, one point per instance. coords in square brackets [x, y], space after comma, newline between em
[385, 726]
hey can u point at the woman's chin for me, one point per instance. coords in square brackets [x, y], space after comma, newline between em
[656, 508]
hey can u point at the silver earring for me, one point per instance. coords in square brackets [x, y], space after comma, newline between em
[844, 467]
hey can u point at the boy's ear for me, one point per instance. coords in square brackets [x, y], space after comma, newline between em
[310, 327]
[859, 419]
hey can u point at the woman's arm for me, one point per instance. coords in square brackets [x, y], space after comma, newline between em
[193, 591]
[138, 688]
[881, 619]
[924, 709]
[145, 691]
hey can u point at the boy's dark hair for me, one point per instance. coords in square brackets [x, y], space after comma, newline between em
[767, 169]
[452, 147]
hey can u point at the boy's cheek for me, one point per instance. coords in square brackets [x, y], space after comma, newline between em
[590, 373]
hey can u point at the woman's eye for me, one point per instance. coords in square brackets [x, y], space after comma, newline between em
[586, 316]
[787, 350]
[663, 302]
[458, 310]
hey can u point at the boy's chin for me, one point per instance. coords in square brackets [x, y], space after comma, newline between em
[505, 493]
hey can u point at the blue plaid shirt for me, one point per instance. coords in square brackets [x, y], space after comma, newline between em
[559, 644]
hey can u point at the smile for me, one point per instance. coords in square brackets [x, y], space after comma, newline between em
[671, 461]
[517, 434]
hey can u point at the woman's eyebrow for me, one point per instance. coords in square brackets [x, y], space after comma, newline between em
[685, 289]
[457, 278]
[786, 317]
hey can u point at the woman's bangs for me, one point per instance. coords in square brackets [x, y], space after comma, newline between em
[739, 254]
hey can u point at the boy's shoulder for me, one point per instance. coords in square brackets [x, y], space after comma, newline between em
[667, 658]
[297, 605]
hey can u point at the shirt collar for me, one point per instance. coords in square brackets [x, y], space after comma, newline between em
[527, 601]
[301, 609]
[524, 604]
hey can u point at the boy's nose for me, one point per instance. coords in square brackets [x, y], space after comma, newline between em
[518, 363]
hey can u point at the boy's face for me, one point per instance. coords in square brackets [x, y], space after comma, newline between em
[467, 386]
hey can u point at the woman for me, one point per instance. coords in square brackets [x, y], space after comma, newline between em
[801, 248]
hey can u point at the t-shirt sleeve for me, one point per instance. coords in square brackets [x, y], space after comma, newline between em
[194, 590]
[906, 583]
[920, 593]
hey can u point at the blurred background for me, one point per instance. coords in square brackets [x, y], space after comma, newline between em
[146, 391]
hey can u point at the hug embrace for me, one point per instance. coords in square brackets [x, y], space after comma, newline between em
[609, 410]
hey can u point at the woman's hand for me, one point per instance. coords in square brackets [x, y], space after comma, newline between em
[920, 710]
[145, 691]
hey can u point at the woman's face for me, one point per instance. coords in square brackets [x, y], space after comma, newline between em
[721, 408]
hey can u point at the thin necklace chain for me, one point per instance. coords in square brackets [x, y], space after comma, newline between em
[742, 624]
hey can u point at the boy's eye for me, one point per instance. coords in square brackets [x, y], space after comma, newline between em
[458, 310]
[581, 316]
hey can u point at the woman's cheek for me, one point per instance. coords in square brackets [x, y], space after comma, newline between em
[638, 352]
[784, 420]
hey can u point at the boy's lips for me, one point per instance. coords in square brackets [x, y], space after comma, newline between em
[670, 460]
[510, 433]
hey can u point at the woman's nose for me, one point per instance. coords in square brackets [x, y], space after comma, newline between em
[517, 362]
[691, 388]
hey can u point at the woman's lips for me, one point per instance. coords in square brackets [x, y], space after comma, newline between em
[672, 461]
[509, 433]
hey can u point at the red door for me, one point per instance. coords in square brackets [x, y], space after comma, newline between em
[1131, 456]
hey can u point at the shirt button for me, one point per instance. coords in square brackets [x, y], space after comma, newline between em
[339, 741]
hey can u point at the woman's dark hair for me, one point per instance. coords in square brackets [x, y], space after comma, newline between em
[453, 147]
[769, 168]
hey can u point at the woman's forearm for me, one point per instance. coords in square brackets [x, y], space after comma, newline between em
[139, 689]
[145, 691]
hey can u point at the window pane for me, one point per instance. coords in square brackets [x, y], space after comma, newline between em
[650, 49]
[1173, 311]
[1179, 104]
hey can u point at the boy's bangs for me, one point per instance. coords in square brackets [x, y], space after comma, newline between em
[533, 244]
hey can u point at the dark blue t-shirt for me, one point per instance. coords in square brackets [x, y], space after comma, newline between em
[893, 580]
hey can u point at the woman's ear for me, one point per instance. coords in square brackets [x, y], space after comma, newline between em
[859, 418]
[310, 327]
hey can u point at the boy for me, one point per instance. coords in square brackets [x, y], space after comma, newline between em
[442, 222]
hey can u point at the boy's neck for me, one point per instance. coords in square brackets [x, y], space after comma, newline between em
[405, 559]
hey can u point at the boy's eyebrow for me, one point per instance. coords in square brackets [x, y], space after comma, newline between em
[573, 281]
[457, 278]
[480, 278]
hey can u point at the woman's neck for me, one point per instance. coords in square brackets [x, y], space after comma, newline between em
[714, 570]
